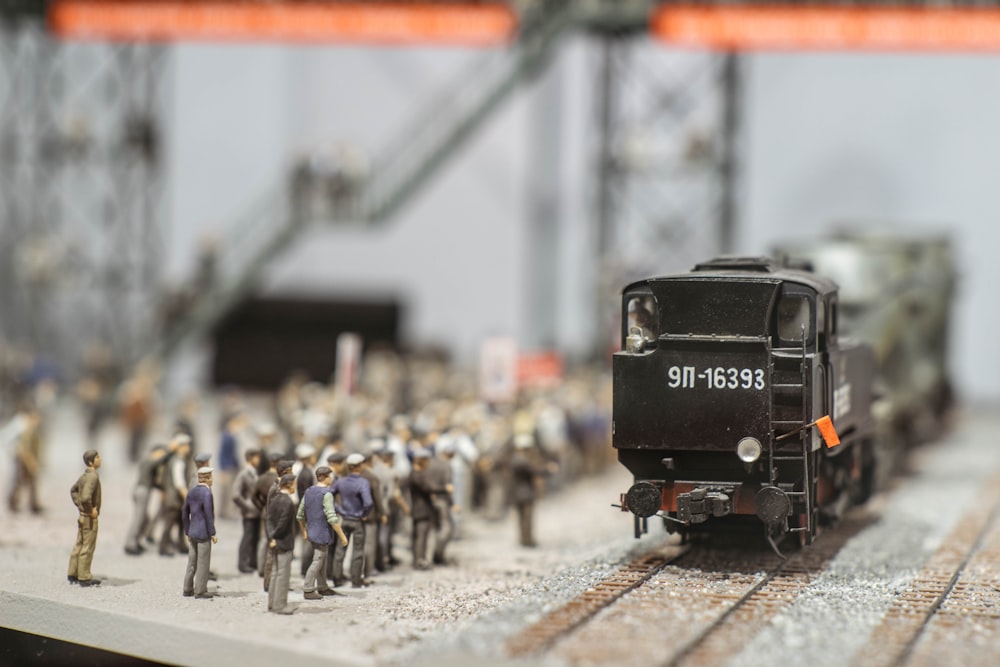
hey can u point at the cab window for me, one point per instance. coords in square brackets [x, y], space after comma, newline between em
[793, 319]
[641, 314]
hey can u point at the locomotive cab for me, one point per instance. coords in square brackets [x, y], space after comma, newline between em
[721, 375]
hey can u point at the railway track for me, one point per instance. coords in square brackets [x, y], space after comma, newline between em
[541, 635]
[707, 604]
[954, 597]
[712, 601]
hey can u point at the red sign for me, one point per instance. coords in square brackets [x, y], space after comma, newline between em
[539, 369]
[793, 27]
[242, 20]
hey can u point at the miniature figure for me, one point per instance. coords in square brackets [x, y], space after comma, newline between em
[175, 490]
[138, 398]
[86, 495]
[375, 520]
[337, 463]
[24, 431]
[229, 465]
[266, 480]
[421, 507]
[526, 473]
[198, 517]
[317, 517]
[140, 499]
[396, 504]
[280, 525]
[304, 479]
[267, 436]
[243, 497]
[283, 468]
[355, 503]
[439, 476]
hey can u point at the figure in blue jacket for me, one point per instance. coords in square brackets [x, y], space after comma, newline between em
[198, 517]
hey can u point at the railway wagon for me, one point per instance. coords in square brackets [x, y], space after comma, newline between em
[724, 376]
[896, 294]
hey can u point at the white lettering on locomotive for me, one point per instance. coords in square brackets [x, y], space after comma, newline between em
[841, 400]
[684, 377]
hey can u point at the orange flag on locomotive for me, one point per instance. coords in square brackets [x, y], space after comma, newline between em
[829, 433]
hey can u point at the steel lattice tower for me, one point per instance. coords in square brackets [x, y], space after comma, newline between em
[667, 132]
[80, 185]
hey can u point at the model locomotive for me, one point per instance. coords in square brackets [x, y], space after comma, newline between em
[723, 375]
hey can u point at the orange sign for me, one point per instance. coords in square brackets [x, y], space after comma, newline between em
[829, 28]
[236, 20]
[539, 369]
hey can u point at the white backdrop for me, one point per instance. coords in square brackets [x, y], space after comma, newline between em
[908, 139]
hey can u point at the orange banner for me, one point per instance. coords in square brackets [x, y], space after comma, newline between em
[235, 20]
[828, 28]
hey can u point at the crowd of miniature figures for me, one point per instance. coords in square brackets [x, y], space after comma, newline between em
[397, 461]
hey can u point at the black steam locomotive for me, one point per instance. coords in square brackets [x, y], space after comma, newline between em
[723, 375]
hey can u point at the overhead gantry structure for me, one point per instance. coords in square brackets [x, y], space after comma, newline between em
[674, 204]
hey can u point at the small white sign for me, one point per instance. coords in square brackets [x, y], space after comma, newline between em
[498, 369]
[348, 363]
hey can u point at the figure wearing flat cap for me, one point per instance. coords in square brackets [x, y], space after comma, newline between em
[355, 504]
[280, 525]
[198, 518]
[283, 467]
[243, 497]
[318, 520]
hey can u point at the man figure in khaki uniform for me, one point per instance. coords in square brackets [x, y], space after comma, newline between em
[86, 494]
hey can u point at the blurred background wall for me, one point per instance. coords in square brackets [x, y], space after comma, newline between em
[908, 140]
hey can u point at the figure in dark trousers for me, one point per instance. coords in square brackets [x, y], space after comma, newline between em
[280, 525]
[306, 455]
[439, 475]
[527, 470]
[198, 517]
[284, 468]
[374, 520]
[395, 504]
[265, 481]
[421, 507]
[175, 490]
[337, 463]
[243, 492]
[86, 495]
[355, 503]
[140, 499]
[318, 520]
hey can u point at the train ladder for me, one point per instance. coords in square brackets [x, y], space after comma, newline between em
[782, 362]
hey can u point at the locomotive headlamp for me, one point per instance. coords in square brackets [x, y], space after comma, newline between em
[749, 449]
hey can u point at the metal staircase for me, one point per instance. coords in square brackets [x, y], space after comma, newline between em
[435, 134]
